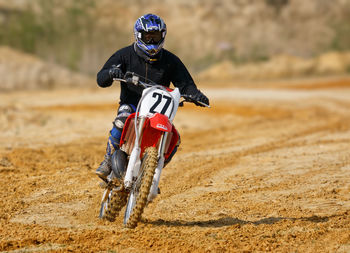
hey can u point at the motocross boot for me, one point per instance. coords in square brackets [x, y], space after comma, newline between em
[105, 167]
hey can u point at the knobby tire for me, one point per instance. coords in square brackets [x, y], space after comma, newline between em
[117, 201]
[148, 167]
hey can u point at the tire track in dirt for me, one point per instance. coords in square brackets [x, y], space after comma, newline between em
[226, 147]
[214, 173]
[273, 177]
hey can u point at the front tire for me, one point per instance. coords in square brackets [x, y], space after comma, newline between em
[140, 191]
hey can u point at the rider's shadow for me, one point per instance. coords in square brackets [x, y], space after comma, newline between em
[229, 221]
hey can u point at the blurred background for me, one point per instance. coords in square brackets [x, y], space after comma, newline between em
[61, 43]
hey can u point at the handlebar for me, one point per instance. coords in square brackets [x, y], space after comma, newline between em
[134, 79]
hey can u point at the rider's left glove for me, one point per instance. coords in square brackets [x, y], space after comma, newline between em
[200, 97]
[116, 72]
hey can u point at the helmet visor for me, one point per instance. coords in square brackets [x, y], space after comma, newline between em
[151, 37]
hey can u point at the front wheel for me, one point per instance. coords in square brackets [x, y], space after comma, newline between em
[140, 190]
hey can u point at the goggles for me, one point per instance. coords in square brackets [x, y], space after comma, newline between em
[151, 37]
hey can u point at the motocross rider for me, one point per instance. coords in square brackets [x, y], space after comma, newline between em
[147, 58]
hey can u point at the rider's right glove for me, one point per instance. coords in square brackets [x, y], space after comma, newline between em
[200, 97]
[116, 72]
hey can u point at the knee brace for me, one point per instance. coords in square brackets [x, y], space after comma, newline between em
[118, 124]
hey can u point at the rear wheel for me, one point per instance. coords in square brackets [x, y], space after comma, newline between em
[116, 201]
[139, 193]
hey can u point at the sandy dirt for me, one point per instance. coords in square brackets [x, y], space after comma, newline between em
[265, 169]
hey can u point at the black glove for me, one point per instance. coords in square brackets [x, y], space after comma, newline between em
[200, 97]
[116, 72]
[128, 77]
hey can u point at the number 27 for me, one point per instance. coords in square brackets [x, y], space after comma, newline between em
[159, 100]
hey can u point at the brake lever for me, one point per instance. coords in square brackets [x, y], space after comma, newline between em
[134, 80]
[119, 79]
[189, 99]
[202, 104]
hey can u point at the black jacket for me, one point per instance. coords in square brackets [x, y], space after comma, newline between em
[165, 69]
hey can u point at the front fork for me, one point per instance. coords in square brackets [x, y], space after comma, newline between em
[154, 188]
[134, 162]
[134, 159]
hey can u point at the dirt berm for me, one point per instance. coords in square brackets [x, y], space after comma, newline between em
[21, 71]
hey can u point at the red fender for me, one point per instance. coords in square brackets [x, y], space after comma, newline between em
[160, 122]
[152, 131]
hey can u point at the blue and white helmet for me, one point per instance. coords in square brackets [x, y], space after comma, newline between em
[150, 31]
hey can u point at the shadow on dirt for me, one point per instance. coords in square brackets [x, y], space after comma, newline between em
[229, 221]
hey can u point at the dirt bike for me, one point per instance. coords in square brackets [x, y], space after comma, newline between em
[148, 139]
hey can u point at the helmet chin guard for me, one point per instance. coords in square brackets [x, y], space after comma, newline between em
[150, 31]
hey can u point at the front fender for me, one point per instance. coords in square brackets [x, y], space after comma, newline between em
[153, 129]
[160, 122]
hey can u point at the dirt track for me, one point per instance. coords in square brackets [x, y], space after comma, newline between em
[263, 169]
